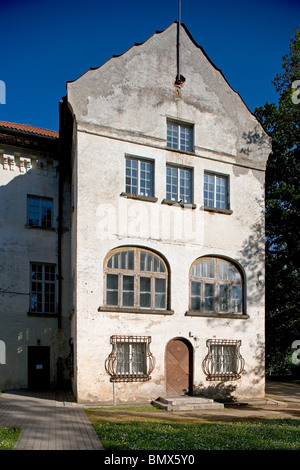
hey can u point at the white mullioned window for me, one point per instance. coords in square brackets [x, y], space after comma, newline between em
[139, 177]
[216, 191]
[43, 287]
[180, 136]
[179, 184]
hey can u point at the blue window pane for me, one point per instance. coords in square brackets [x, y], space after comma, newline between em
[216, 191]
[172, 135]
[139, 177]
[186, 186]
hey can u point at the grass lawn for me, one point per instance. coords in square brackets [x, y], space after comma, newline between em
[149, 431]
[8, 438]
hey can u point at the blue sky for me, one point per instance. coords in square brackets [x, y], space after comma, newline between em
[45, 43]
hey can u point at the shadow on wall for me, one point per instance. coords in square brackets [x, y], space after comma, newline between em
[252, 258]
[223, 390]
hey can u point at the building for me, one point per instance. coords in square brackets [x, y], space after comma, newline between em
[162, 171]
[34, 318]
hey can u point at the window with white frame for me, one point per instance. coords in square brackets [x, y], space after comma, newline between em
[216, 286]
[43, 287]
[39, 212]
[130, 359]
[216, 191]
[180, 136]
[135, 278]
[139, 177]
[179, 184]
[223, 360]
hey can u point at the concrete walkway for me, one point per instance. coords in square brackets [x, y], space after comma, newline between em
[49, 421]
[54, 421]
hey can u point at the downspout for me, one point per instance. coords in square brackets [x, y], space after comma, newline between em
[59, 248]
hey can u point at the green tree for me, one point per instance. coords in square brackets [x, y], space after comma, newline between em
[281, 121]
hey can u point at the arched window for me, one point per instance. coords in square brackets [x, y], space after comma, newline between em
[216, 286]
[135, 278]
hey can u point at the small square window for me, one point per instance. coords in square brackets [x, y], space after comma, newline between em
[216, 190]
[180, 136]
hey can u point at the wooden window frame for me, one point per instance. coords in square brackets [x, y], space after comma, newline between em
[216, 281]
[137, 274]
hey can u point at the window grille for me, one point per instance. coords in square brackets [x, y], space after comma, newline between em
[223, 360]
[130, 359]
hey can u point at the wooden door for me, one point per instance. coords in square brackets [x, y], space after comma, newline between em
[178, 368]
[38, 367]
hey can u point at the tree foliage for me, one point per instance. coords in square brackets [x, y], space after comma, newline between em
[282, 121]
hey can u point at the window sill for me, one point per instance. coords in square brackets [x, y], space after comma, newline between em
[134, 310]
[184, 205]
[138, 197]
[188, 152]
[196, 313]
[130, 378]
[33, 227]
[222, 377]
[40, 314]
[217, 211]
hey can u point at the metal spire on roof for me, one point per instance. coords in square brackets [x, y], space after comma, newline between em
[179, 78]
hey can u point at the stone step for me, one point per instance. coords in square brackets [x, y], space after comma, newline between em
[187, 403]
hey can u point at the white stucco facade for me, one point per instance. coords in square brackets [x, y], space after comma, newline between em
[29, 168]
[121, 110]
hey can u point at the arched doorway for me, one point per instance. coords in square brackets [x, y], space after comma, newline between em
[179, 367]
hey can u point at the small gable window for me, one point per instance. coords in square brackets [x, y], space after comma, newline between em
[180, 136]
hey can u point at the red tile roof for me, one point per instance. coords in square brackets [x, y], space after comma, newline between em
[29, 129]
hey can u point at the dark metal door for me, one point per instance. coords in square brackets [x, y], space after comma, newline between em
[38, 367]
[178, 368]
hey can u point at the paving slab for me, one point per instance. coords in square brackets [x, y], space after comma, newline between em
[49, 421]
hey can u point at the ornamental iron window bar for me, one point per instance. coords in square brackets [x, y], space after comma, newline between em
[130, 359]
[223, 361]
